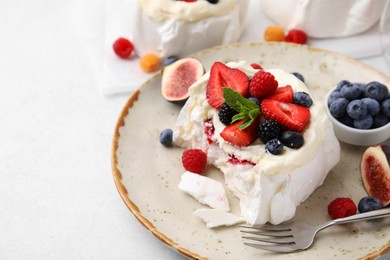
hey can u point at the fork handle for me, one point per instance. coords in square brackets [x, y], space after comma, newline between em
[381, 213]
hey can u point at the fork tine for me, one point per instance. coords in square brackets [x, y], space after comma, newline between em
[278, 240]
[274, 248]
[269, 233]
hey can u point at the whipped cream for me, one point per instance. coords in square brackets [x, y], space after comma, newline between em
[323, 19]
[271, 190]
[178, 28]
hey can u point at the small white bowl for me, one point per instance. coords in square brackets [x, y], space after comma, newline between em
[360, 137]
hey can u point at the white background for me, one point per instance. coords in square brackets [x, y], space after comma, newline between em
[57, 195]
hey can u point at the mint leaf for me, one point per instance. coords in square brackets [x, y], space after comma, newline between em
[234, 100]
[247, 109]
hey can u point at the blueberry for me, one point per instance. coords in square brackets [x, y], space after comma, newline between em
[338, 107]
[346, 120]
[385, 107]
[333, 96]
[213, 1]
[292, 139]
[351, 91]
[254, 100]
[299, 76]
[380, 120]
[376, 91]
[169, 60]
[302, 98]
[341, 84]
[369, 204]
[373, 106]
[362, 87]
[364, 123]
[274, 146]
[166, 137]
[357, 109]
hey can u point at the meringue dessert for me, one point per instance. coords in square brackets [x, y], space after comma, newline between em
[323, 19]
[269, 186]
[179, 28]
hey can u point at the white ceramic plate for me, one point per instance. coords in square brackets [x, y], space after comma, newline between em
[147, 174]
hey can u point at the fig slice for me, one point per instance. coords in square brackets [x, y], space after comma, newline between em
[178, 77]
[375, 172]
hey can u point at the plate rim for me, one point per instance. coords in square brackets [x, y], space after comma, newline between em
[117, 175]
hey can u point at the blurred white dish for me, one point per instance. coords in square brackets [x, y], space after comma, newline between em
[323, 19]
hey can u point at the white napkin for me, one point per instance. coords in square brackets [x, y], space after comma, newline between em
[120, 76]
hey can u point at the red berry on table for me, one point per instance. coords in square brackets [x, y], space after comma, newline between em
[296, 36]
[222, 76]
[341, 208]
[292, 116]
[123, 48]
[263, 84]
[194, 160]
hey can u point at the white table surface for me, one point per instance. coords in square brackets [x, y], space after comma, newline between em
[57, 195]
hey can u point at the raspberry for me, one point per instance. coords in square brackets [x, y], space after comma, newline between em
[123, 48]
[150, 62]
[274, 33]
[296, 36]
[341, 208]
[262, 85]
[194, 160]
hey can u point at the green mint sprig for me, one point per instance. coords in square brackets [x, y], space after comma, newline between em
[247, 109]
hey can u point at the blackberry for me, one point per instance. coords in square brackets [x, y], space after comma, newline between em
[268, 130]
[226, 114]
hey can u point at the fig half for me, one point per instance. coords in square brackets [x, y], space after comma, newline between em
[178, 77]
[375, 171]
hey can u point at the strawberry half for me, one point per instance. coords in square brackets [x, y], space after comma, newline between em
[293, 117]
[283, 94]
[221, 76]
[239, 137]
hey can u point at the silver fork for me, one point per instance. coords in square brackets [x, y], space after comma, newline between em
[298, 236]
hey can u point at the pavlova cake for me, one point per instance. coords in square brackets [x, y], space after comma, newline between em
[271, 140]
[323, 19]
[179, 28]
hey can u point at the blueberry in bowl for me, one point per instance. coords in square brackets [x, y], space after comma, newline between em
[360, 113]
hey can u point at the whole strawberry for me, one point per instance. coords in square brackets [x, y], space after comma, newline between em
[194, 160]
[341, 208]
[263, 84]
